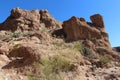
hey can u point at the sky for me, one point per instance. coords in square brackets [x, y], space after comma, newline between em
[64, 9]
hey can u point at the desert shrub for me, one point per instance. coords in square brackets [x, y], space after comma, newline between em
[27, 33]
[59, 44]
[88, 53]
[84, 51]
[16, 34]
[79, 47]
[101, 63]
[104, 60]
[52, 68]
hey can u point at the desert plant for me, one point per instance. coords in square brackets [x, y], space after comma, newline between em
[59, 44]
[104, 60]
[51, 68]
[16, 34]
[27, 33]
[88, 53]
[79, 47]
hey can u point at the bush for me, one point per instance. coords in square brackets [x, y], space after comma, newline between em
[104, 60]
[84, 51]
[79, 47]
[16, 34]
[52, 68]
[88, 53]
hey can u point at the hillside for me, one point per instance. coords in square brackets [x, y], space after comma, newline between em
[35, 46]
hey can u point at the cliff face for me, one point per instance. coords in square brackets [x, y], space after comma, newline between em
[33, 43]
[78, 29]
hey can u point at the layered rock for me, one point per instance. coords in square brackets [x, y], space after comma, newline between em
[78, 29]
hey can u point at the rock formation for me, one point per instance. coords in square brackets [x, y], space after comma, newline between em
[48, 20]
[33, 43]
[28, 20]
[22, 20]
[78, 29]
[97, 20]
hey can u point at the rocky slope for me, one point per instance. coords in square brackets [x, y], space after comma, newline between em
[35, 46]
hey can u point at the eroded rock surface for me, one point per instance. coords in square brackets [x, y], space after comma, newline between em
[22, 20]
[78, 29]
[49, 20]
[29, 20]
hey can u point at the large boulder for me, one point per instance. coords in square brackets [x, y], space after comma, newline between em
[23, 54]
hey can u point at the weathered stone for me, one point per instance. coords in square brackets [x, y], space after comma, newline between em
[28, 53]
[48, 20]
[76, 29]
[22, 20]
[82, 19]
[97, 20]
[3, 51]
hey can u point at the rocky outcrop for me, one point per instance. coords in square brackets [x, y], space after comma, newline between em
[29, 20]
[78, 29]
[22, 20]
[49, 20]
[97, 20]
[72, 29]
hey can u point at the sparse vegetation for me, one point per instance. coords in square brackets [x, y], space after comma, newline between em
[59, 44]
[27, 33]
[84, 51]
[104, 60]
[88, 53]
[79, 47]
[16, 34]
[51, 68]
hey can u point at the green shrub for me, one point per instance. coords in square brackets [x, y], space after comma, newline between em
[16, 34]
[104, 60]
[88, 53]
[52, 68]
[27, 33]
[79, 47]
[84, 51]
[59, 45]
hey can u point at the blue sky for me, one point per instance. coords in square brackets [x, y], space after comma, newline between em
[64, 9]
